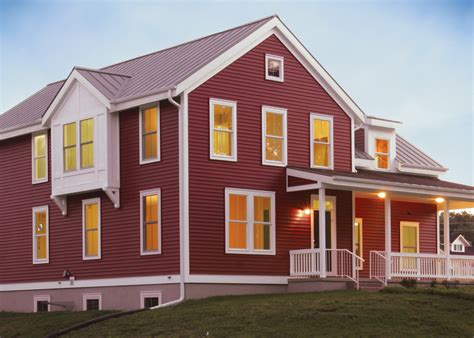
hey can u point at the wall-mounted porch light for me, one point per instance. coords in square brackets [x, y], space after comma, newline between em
[304, 212]
[382, 194]
[439, 199]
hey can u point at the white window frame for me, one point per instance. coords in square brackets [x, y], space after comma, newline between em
[91, 296]
[33, 166]
[250, 221]
[35, 210]
[361, 244]
[233, 104]
[283, 112]
[78, 146]
[41, 298]
[99, 229]
[315, 116]
[460, 249]
[282, 63]
[142, 195]
[410, 224]
[158, 130]
[378, 153]
[149, 294]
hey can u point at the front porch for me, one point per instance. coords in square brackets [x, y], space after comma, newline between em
[395, 229]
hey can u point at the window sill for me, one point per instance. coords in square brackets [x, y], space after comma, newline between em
[41, 262]
[150, 253]
[322, 167]
[263, 253]
[39, 181]
[274, 164]
[142, 162]
[222, 158]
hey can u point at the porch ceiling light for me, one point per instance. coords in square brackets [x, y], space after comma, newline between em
[382, 194]
[439, 199]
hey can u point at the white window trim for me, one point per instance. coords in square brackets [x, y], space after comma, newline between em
[41, 298]
[282, 72]
[389, 164]
[250, 222]
[149, 294]
[361, 244]
[99, 229]
[281, 111]
[78, 146]
[33, 166]
[158, 130]
[233, 104]
[454, 249]
[142, 195]
[410, 224]
[36, 260]
[91, 296]
[314, 116]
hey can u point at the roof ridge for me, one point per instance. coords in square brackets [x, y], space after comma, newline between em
[421, 151]
[99, 71]
[191, 41]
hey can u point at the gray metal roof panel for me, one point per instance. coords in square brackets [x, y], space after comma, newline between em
[409, 155]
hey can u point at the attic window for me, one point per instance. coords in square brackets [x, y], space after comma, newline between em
[273, 68]
[382, 155]
[458, 248]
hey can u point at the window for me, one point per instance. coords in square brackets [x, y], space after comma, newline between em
[40, 157]
[274, 134]
[92, 301]
[150, 299]
[458, 248]
[41, 303]
[150, 231]
[87, 143]
[40, 235]
[69, 145]
[358, 240]
[223, 133]
[91, 228]
[321, 141]
[250, 221]
[382, 153]
[274, 67]
[149, 135]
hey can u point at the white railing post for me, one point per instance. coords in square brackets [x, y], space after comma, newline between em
[322, 231]
[388, 238]
[447, 246]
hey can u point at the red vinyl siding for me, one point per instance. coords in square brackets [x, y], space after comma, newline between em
[120, 227]
[244, 82]
[359, 139]
[372, 212]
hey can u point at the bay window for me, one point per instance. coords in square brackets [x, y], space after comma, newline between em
[223, 130]
[321, 129]
[87, 143]
[250, 221]
[274, 136]
[69, 146]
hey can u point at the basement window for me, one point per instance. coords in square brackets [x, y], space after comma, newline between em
[42, 303]
[92, 301]
[149, 299]
[273, 68]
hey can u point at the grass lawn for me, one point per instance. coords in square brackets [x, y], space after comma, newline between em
[342, 313]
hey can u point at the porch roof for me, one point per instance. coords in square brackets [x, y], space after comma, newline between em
[377, 180]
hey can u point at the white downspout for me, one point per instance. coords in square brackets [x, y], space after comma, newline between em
[182, 291]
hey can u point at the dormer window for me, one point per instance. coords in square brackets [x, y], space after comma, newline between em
[86, 145]
[69, 146]
[273, 68]
[382, 154]
[458, 248]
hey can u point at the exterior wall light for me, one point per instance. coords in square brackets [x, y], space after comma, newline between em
[439, 199]
[382, 194]
[307, 212]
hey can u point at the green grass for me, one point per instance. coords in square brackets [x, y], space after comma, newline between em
[392, 313]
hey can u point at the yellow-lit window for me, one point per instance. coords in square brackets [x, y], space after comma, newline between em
[87, 143]
[150, 205]
[321, 139]
[40, 235]
[250, 224]
[262, 223]
[358, 240]
[69, 146]
[382, 153]
[223, 134]
[150, 136]
[237, 221]
[274, 136]
[91, 217]
[40, 157]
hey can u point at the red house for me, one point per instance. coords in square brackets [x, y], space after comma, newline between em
[230, 164]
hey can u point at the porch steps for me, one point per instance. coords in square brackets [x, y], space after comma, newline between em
[370, 285]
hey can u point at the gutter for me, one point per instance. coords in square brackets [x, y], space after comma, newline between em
[182, 249]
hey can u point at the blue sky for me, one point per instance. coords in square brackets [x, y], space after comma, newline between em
[408, 60]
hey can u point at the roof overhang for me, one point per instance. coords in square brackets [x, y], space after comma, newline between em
[381, 122]
[21, 130]
[339, 182]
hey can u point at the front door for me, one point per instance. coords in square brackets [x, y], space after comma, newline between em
[330, 229]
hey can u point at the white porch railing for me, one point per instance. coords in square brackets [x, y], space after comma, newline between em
[339, 263]
[421, 266]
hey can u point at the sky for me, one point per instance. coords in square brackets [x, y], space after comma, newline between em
[410, 61]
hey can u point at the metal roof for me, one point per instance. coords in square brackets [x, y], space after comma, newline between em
[138, 76]
[410, 156]
[359, 153]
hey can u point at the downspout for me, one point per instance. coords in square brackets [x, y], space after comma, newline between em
[181, 107]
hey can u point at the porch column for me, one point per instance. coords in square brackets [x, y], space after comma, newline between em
[447, 246]
[322, 230]
[388, 237]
